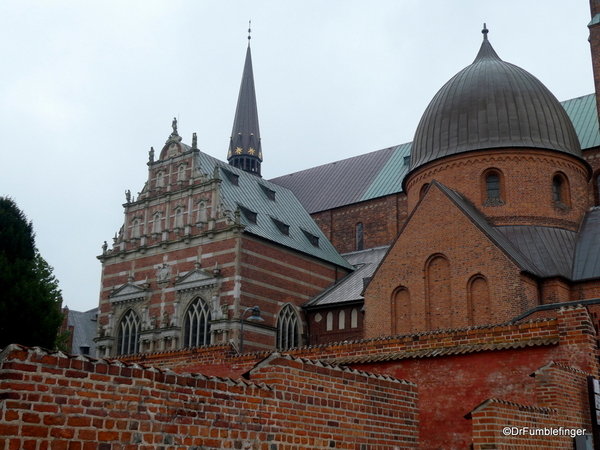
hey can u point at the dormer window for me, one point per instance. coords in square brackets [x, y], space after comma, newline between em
[232, 177]
[251, 216]
[314, 240]
[270, 193]
[284, 228]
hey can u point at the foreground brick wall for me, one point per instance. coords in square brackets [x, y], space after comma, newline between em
[51, 401]
[562, 404]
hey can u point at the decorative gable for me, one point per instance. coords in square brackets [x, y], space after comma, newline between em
[195, 279]
[129, 292]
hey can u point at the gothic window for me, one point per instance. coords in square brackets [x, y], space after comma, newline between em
[288, 328]
[342, 320]
[359, 236]
[127, 341]
[196, 326]
[354, 318]
[329, 325]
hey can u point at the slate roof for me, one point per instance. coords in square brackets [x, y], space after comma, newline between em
[350, 287]
[586, 261]
[84, 330]
[381, 172]
[252, 194]
[492, 104]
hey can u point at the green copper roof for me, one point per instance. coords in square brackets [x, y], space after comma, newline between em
[270, 211]
[583, 114]
[389, 179]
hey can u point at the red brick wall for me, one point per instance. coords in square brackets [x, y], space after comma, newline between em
[439, 228]
[527, 185]
[562, 404]
[381, 218]
[54, 402]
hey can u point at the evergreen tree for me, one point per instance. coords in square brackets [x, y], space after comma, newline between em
[29, 295]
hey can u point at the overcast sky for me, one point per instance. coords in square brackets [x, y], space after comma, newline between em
[86, 88]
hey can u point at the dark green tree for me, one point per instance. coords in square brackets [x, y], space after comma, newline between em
[29, 295]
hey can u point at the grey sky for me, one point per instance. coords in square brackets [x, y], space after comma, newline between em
[88, 87]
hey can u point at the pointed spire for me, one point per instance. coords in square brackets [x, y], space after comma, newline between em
[486, 52]
[245, 150]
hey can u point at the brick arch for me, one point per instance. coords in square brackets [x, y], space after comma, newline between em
[478, 300]
[401, 311]
[561, 192]
[438, 292]
[487, 196]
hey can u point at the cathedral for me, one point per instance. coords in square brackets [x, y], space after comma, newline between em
[466, 261]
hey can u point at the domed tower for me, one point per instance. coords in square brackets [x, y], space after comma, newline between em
[498, 136]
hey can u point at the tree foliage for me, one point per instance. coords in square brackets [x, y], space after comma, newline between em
[29, 295]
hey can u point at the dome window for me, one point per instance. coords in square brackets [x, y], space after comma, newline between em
[493, 188]
[560, 191]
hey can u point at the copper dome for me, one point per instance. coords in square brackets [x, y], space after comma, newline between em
[492, 104]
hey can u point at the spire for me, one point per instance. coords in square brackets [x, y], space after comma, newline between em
[486, 52]
[245, 150]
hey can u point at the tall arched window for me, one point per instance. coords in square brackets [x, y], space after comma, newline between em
[360, 244]
[439, 299]
[179, 218]
[135, 228]
[288, 328]
[402, 311]
[560, 190]
[478, 301]
[341, 320]
[156, 225]
[492, 184]
[354, 318]
[127, 341]
[197, 326]
[329, 325]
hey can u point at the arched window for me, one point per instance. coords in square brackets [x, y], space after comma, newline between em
[160, 179]
[478, 301]
[341, 320]
[423, 190]
[181, 173]
[354, 318]
[492, 189]
[492, 184]
[359, 236]
[179, 218]
[127, 341]
[288, 328]
[329, 325]
[197, 327]
[560, 190]
[156, 225]
[135, 229]
[402, 311]
[438, 302]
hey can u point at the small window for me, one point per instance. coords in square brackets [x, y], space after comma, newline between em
[492, 189]
[492, 184]
[354, 318]
[359, 236]
[284, 228]
[341, 320]
[232, 177]
[560, 191]
[329, 325]
[423, 190]
[270, 193]
[314, 240]
[250, 215]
